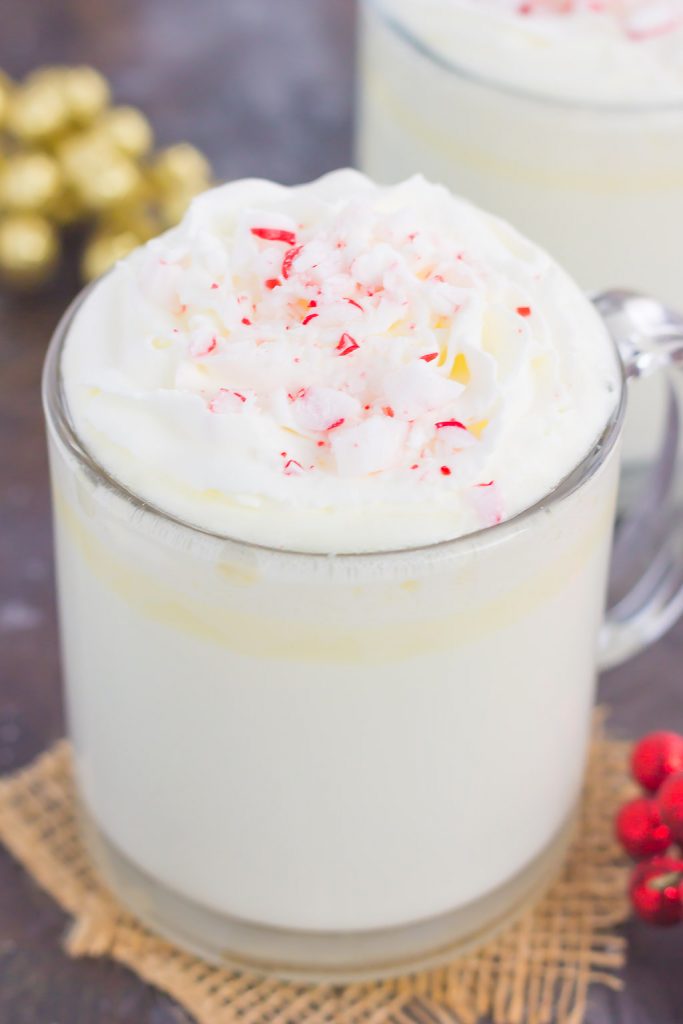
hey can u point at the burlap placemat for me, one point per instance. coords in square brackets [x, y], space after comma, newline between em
[537, 972]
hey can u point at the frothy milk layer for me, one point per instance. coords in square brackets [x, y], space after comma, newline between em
[600, 51]
[339, 367]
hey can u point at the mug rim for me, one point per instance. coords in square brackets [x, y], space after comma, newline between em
[398, 26]
[57, 417]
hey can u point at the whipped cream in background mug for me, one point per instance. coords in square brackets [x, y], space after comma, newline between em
[334, 472]
[563, 116]
[596, 51]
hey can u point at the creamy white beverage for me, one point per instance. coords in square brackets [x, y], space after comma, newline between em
[334, 503]
[564, 116]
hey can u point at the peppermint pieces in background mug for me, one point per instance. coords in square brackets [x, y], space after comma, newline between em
[650, 828]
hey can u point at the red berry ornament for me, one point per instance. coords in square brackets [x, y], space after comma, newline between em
[655, 890]
[655, 757]
[670, 801]
[640, 828]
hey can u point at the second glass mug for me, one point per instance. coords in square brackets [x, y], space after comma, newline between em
[600, 185]
[304, 764]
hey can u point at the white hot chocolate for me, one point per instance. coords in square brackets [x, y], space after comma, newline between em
[284, 711]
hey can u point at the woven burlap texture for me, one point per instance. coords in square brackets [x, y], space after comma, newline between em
[536, 972]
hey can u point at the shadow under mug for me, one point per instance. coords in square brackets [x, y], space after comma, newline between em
[337, 767]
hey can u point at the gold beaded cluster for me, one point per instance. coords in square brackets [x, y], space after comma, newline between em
[67, 156]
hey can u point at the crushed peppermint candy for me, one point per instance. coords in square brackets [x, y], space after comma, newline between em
[639, 19]
[275, 235]
[395, 284]
[346, 344]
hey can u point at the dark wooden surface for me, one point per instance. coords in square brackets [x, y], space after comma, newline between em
[265, 87]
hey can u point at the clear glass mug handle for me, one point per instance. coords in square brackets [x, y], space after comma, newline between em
[646, 585]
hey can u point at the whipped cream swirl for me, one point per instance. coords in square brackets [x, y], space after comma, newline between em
[339, 367]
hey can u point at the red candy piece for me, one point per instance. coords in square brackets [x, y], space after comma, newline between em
[655, 890]
[640, 828]
[275, 235]
[290, 256]
[347, 344]
[670, 801]
[450, 423]
[655, 757]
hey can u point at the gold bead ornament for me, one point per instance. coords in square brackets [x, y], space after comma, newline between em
[136, 216]
[29, 246]
[37, 109]
[86, 94]
[181, 166]
[29, 181]
[104, 249]
[5, 93]
[118, 180]
[178, 174]
[69, 158]
[128, 130]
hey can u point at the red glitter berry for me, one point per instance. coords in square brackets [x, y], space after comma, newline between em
[655, 757]
[640, 828]
[655, 890]
[670, 801]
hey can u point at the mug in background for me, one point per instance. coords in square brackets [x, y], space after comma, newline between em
[337, 766]
[599, 185]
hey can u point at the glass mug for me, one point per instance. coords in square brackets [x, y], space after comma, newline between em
[303, 763]
[599, 185]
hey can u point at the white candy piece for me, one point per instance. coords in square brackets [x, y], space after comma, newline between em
[372, 446]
